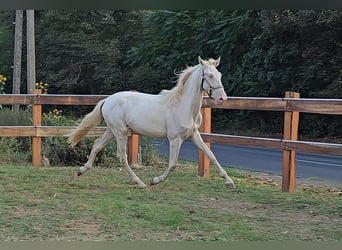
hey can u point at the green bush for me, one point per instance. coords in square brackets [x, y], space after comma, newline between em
[149, 153]
[59, 152]
[17, 149]
[57, 149]
[10, 118]
[10, 151]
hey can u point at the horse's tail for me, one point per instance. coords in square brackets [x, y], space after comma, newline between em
[89, 122]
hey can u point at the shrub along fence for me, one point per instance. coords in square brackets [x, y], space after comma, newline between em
[291, 105]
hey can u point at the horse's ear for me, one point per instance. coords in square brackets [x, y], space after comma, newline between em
[200, 60]
[217, 61]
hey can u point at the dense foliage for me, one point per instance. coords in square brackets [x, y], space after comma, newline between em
[82, 52]
[264, 53]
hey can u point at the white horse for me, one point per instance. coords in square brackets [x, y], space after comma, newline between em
[174, 114]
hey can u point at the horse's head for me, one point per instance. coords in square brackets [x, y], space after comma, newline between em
[211, 80]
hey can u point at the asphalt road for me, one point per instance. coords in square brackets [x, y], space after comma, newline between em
[325, 167]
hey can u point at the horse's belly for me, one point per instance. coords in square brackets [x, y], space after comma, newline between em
[150, 133]
[148, 122]
[148, 129]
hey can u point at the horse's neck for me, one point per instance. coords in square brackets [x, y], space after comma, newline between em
[191, 100]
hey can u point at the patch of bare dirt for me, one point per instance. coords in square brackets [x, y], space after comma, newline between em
[24, 212]
[88, 229]
[303, 183]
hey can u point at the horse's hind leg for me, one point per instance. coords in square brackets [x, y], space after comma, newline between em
[97, 147]
[122, 148]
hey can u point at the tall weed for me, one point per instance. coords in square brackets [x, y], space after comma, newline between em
[10, 151]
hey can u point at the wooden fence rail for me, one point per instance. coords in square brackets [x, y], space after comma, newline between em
[291, 105]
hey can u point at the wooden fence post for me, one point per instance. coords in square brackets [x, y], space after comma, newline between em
[37, 141]
[203, 160]
[291, 122]
[133, 149]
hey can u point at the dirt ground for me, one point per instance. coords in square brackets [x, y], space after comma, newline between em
[103, 205]
[305, 183]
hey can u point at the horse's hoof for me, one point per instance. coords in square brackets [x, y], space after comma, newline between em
[79, 172]
[230, 185]
[141, 185]
[155, 181]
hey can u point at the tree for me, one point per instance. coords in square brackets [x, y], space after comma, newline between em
[6, 55]
[299, 51]
[86, 55]
[264, 53]
[173, 39]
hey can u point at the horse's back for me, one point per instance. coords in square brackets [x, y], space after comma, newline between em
[141, 112]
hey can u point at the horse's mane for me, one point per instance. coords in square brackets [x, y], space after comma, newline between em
[177, 91]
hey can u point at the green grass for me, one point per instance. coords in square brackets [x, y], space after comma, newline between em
[103, 204]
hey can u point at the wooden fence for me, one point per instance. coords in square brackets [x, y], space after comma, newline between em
[291, 105]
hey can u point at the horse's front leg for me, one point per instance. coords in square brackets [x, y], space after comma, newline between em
[197, 140]
[175, 145]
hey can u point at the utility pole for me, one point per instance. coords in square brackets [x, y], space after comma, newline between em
[18, 39]
[31, 58]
